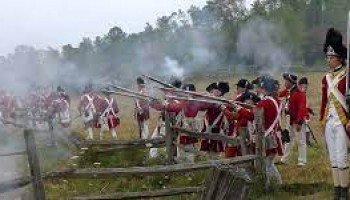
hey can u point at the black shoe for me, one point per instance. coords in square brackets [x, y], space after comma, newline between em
[337, 191]
[344, 193]
[280, 163]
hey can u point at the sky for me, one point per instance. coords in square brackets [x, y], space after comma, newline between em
[53, 23]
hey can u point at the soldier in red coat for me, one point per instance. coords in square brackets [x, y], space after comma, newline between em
[108, 115]
[334, 112]
[297, 112]
[239, 123]
[58, 106]
[187, 118]
[303, 86]
[142, 114]
[57, 113]
[272, 110]
[214, 120]
[172, 106]
[87, 110]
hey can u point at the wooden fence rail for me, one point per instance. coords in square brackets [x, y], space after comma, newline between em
[13, 153]
[146, 194]
[145, 171]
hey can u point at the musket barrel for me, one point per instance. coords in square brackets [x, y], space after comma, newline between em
[137, 95]
[211, 101]
[158, 81]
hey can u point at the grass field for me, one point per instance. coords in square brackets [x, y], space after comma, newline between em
[310, 182]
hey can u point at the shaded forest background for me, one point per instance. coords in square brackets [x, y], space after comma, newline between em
[222, 34]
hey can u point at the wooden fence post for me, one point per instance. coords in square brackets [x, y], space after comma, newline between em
[243, 134]
[34, 165]
[169, 139]
[259, 127]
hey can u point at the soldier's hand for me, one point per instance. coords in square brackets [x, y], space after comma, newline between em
[298, 127]
[223, 107]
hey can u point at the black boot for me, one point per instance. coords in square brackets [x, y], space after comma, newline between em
[337, 191]
[344, 193]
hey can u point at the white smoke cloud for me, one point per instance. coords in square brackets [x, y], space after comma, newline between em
[172, 66]
[260, 42]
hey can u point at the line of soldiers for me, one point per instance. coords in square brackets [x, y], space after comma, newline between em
[37, 106]
[230, 118]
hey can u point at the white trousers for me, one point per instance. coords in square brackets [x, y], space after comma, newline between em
[186, 154]
[112, 130]
[272, 171]
[300, 138]
[159, 131]
[144, 129]
[336, 140]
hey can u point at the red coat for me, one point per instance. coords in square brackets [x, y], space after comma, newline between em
[83, 104]
[190, 111]
[173, 107]
[296, 105]
[142, 108]
[270, 114]
[213, 111]
[108, 109]
[59, 108]
[342, 89]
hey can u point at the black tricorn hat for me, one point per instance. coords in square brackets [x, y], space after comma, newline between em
[290, 77]
[243, 83]
[60, 89]
[140, 81]
[333, 45]
[176, 83]
[303, 81]
[258, 81]
[189, 87]
[224, 87]
[270, 85]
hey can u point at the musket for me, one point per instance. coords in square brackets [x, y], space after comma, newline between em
[210, 101]
[312, 133]
[158, 81]
[137, 96]
[214, 99]
[124, 89]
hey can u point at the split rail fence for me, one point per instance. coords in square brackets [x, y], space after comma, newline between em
[213, 189]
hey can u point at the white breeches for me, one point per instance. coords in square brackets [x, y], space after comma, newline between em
[112, 130]
[159, 131]
[186, 154]
[89, 132]
[144, 129]
[336, 140]
[300, 138]
[272, 171]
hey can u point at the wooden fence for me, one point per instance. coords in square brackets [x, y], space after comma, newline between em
[170, 142]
